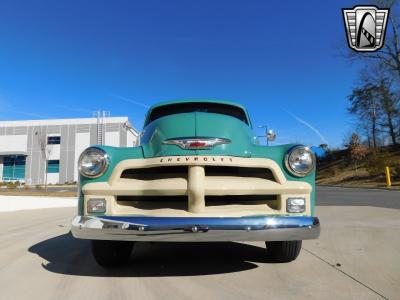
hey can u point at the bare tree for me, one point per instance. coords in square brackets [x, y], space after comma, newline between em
[388, 99]
[357, 151]
[389, 105]
[376, 104]
[363, 104]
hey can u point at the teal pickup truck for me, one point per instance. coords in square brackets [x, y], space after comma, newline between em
[198, 175]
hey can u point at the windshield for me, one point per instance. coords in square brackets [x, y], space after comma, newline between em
[216, 108]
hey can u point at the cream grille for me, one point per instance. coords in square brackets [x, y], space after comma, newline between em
[197, 185]
[155, 173]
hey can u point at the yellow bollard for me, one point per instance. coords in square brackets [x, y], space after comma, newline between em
[388, 179]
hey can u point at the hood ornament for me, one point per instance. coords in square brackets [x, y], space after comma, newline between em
[196, 143]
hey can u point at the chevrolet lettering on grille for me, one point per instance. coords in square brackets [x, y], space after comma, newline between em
[195, 159]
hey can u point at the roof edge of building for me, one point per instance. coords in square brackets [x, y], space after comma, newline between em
[73, 121]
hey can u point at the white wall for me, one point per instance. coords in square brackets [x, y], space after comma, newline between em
[112, 139]
[82, 141]
[130, 139]
[54, 152]
[52, 122]
[53, 178]
[13, 143]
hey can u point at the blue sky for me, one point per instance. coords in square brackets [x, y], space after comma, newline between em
[64, 59]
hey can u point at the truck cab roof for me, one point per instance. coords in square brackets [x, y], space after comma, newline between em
[201, 105]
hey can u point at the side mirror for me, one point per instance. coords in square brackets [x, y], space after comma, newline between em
[271, 135]
[139, 134]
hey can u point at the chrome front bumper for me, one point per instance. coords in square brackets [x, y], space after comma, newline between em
[182, 229]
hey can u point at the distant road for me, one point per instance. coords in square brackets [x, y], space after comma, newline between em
[336, 196]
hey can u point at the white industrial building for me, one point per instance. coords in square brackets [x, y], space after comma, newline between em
[29, 148]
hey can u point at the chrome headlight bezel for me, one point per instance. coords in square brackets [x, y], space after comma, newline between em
[105, 161]
[292, 169]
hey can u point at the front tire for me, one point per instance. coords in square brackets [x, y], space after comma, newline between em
[111, 254]
[283, 251]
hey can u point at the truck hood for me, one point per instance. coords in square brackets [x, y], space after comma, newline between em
[197, 124]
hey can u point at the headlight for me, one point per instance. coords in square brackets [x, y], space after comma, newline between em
[300, 161]
[93, 162]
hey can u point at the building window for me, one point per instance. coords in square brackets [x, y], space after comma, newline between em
[14, 167]
[53, 166]
[53, 140]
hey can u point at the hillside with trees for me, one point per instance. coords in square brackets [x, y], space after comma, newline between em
[358, 166]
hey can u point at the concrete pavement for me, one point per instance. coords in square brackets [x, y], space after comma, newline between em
[15, 203]
[355, 258]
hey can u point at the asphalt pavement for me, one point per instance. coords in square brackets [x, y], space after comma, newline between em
[356, 257]
[338, 196]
